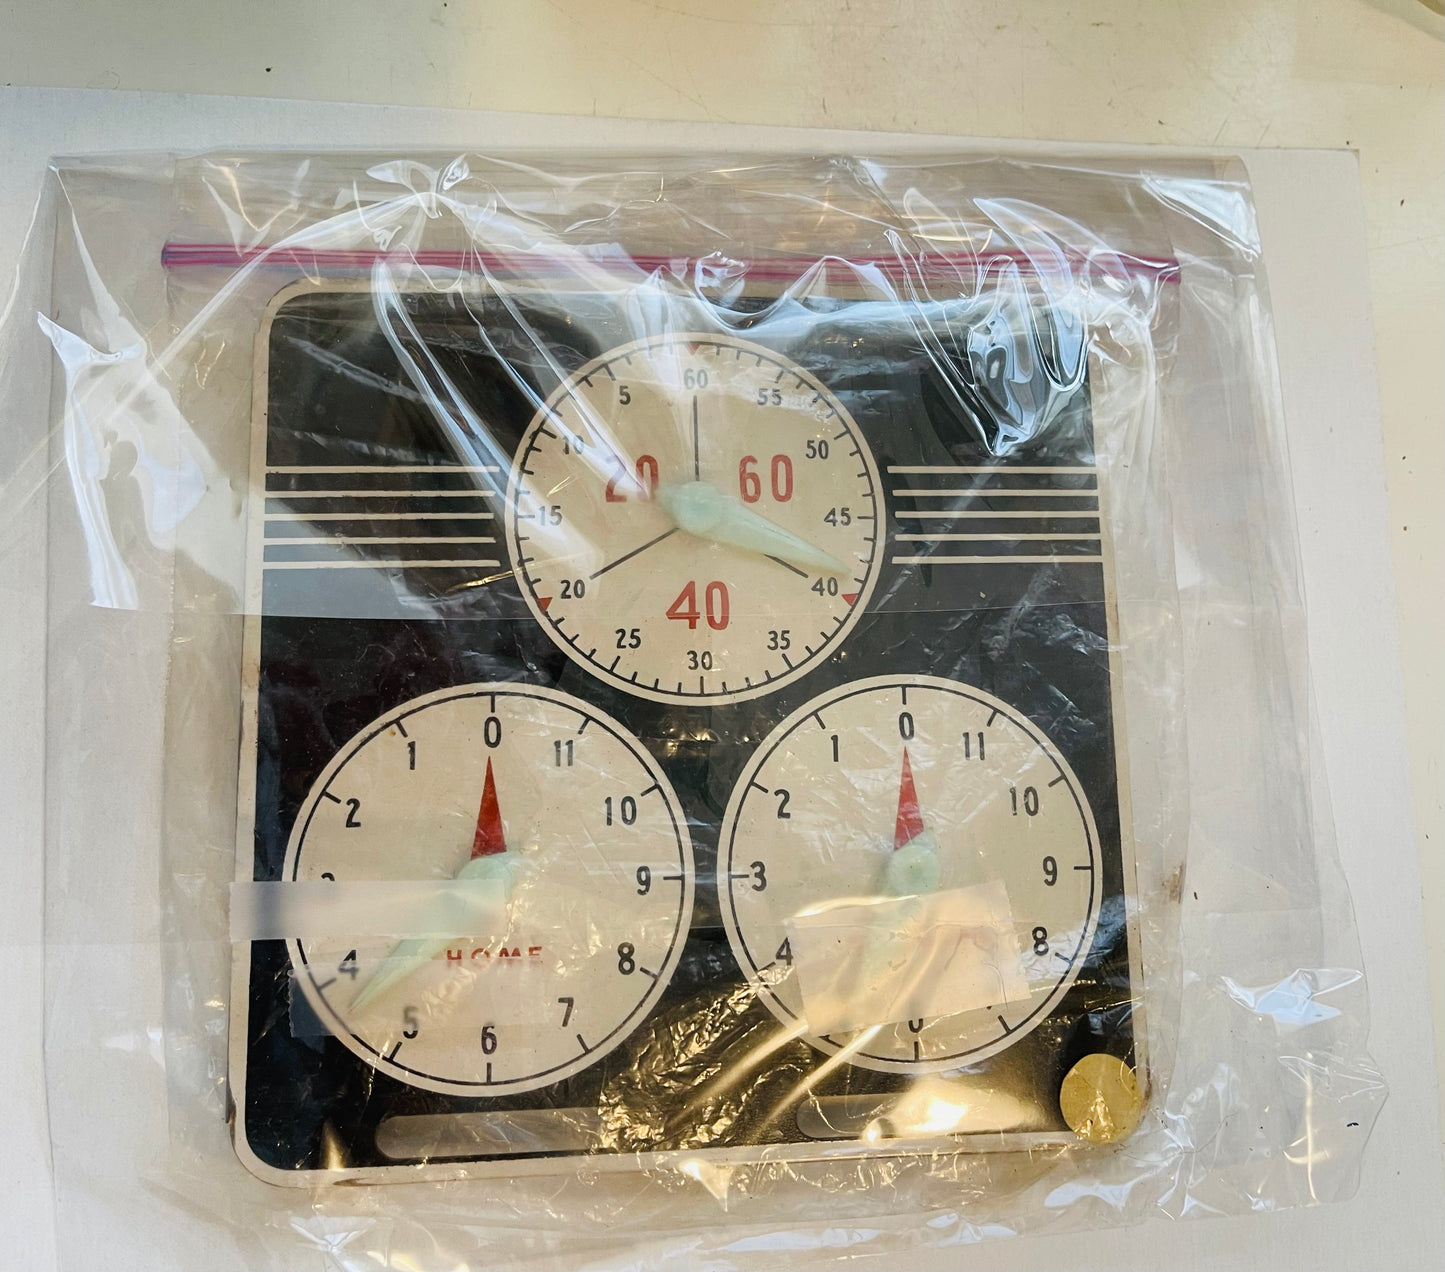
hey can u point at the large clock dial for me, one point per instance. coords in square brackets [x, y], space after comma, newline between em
[566, 829]
[694, 518]
[921, 846]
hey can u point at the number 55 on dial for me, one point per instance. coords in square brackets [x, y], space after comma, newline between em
[694, 517]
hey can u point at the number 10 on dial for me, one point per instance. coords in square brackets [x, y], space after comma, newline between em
[568, 819]
[694, 517]
[912, 787]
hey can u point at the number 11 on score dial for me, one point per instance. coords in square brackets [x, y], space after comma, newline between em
[694, 518]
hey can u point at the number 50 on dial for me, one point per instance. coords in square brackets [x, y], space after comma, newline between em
[694, 517]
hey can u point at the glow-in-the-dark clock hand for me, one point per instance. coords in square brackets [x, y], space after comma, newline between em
[913, 867]
[490, 862]
[706, 513]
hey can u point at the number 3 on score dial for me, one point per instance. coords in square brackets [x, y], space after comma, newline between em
[715, 603]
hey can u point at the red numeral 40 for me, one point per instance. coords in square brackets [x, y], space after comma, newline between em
[714, 606]
[750, 485]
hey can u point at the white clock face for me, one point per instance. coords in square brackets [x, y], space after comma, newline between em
[568, 817]
[694, 518]
[925, 794]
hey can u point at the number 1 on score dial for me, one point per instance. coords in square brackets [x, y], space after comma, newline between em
[734, 586]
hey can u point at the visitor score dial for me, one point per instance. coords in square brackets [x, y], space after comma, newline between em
[694, 517]
[576, 848]
[917, 796]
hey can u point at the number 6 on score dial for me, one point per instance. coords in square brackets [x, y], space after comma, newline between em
[694, 517]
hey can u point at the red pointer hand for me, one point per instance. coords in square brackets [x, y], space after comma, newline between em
[490, 837]
[910, 820]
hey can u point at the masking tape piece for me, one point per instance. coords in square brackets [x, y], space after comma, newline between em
[888, 959]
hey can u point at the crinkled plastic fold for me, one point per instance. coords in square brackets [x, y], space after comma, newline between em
[629, 707]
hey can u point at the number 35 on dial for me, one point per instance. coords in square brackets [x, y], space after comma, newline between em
[694, 517]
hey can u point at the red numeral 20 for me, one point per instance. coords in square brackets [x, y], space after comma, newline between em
[750, 485]
[715, 603]
[644, 485]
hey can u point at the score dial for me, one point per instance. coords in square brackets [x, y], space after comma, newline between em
[694, 518]
[899, 786]
[571, 821]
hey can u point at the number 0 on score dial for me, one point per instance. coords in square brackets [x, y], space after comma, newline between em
[694, 517]
[898, 786]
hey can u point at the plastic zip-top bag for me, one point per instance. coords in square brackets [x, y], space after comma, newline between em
[673, 702]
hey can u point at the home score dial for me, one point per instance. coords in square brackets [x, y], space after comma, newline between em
[577, 845]
[694, 518]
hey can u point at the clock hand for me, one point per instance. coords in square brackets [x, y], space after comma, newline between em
[913, 867]
[490, 861]
[707, 513]
[627, 556]
[696, 445]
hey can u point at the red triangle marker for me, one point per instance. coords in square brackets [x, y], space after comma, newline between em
[850, 597]
[544, 601]
[490, 837]
[910, 820]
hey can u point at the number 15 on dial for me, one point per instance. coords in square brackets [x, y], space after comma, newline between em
[694, 517]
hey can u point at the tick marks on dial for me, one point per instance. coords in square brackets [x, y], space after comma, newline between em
[586, 720]
[758, 786]
[335, 799]
[646, 971]
[582, 1042]
[1004, 1025]
[608, 369]
[917, 1050]
[488, 1078]
[325, 985]
[1064, 958]
[391, 1055]
[818, 717]
[401, 728]
[1057, 780]
[993, 715]
[650, 790]
[1089, 868]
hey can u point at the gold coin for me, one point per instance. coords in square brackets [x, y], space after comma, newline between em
[1101, 1100]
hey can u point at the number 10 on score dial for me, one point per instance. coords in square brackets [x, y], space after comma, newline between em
[694, 517]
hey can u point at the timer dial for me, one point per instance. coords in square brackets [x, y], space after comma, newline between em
[571, 822]
[694, 518]
[909, 787]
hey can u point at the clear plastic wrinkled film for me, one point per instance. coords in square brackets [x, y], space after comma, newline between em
[607, 706]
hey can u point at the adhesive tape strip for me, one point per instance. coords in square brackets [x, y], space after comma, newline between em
[265, 911]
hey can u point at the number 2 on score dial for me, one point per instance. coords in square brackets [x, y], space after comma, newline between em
[599, 530]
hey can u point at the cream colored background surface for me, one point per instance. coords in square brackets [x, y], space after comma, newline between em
[1334, 73]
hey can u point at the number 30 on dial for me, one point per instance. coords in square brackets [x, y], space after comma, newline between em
[694, 517]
